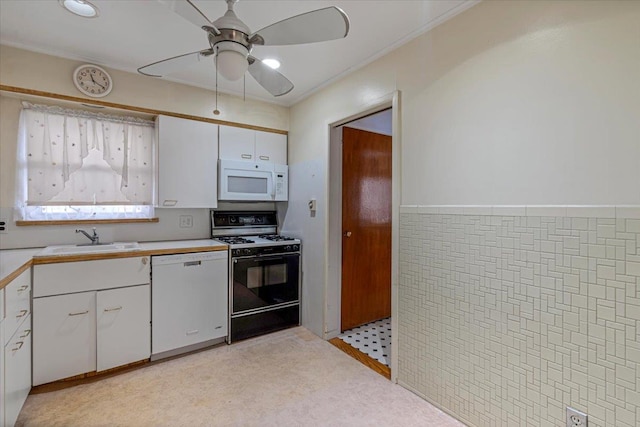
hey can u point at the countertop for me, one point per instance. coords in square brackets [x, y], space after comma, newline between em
[15, 261]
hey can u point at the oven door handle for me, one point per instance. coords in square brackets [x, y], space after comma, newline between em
[278, 257]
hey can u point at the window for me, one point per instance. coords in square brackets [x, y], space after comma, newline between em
[75, 165]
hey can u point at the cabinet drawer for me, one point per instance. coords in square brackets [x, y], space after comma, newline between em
[18, 303]
[82, 276]
[17, 371]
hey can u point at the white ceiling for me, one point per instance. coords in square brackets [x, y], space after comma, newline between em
[130, 34]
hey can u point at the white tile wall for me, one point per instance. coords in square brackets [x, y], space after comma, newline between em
[506, 320]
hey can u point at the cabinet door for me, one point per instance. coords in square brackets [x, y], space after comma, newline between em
[64, 336]
[17, 372]
[271, 147]
[237, 143]
[123, 321]
[187, 163]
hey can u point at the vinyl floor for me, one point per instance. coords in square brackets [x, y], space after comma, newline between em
[288, 378]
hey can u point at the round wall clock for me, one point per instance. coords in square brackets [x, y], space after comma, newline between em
[92, 80]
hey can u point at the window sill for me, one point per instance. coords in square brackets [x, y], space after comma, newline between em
[86, 221]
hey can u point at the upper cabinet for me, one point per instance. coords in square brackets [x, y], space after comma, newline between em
[187, 163]
[252, 145]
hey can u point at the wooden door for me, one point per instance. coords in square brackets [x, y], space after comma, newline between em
[366, 227]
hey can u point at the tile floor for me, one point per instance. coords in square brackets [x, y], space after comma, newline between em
[373, 339]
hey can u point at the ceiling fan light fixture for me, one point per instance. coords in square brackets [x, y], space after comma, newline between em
[271, 62]
[232, 60]
[80, 7]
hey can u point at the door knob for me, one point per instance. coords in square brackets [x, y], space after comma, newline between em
[347, 234]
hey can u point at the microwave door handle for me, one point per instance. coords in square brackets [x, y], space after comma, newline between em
[273, 185]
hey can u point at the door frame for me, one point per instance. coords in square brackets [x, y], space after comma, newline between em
[333, 288]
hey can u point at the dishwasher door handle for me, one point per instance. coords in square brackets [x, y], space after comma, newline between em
[192, 263]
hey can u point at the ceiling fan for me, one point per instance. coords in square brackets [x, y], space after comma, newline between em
[232, 41]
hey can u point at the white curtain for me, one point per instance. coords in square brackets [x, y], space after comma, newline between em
[79, 158]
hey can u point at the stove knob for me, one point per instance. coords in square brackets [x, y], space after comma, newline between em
[247, 251]
[235, 252]
[287, 248]
[296, 247]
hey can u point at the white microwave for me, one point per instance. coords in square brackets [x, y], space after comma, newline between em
[240, 180]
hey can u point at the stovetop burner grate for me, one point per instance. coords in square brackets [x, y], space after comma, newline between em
[276, 237]
[234, 240]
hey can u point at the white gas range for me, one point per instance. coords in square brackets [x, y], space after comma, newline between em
[264, 273]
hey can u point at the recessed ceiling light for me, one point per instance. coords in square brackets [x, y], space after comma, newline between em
[273, 63]
[80, 7]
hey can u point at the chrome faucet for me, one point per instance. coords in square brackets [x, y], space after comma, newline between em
[95, 239]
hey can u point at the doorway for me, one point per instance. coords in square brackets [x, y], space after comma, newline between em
[366, 227]
[364, 203]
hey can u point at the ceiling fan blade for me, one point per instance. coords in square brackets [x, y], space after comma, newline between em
[274, 82]
[177, 63]
[316, 26]
[191, 13]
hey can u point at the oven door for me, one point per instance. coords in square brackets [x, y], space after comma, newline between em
[259, 282]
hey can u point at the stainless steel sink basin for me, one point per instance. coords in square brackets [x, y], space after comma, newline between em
[89, 249]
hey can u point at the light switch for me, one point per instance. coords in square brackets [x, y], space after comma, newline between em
[312, 204]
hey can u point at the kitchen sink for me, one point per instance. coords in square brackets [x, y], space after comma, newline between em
[89, 249]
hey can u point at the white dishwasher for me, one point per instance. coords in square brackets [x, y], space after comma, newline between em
[189, 302]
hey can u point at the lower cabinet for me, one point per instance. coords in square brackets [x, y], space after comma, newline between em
[64, 336]
[123, 326]
[17, 371]
[90, 331]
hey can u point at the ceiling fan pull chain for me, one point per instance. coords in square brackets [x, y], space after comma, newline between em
[216, 112]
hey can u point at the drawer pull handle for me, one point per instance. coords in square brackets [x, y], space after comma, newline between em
[246, 156]
[79, 313]
[27, 332]
[264, 157]
[192, 263]
[23, 288]
[106, 310]
[195, 331]
[22, 314]
[19, 346]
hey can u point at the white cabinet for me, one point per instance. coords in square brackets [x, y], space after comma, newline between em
[17, 371]
[18, 302]
[189, 300]
[271, 147]
[90, 316]
[252, 145]
[187, 163]
[123, 329]
[15, 337]
[64, 336]
[70, 277]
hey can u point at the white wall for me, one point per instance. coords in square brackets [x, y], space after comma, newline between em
[507, 103]
[24, 69]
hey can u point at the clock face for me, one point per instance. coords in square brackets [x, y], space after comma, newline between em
[92, 80]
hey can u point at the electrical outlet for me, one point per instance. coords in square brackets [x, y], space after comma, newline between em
[576, 418]
[186, 221]
[4, 226]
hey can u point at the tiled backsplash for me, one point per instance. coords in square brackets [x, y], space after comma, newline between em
[507, 320]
